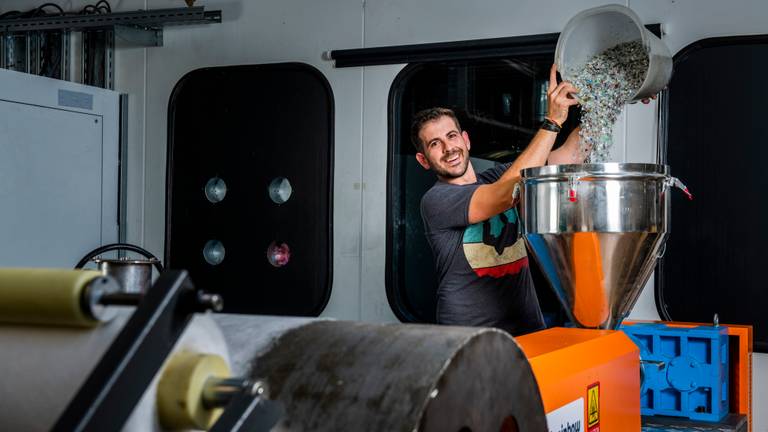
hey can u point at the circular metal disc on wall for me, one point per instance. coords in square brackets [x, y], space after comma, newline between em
[215, 190]
[214, 252]
[280, 190]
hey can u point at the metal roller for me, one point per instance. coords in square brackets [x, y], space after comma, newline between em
[58, 297]
[336, 375]
[44, 367]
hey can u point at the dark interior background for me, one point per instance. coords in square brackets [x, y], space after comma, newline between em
[717, 144]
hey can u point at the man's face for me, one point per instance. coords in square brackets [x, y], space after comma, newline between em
[445, 149]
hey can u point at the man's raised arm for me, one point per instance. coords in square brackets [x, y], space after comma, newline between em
[492, 199]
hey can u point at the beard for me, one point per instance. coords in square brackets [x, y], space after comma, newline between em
[442, 169]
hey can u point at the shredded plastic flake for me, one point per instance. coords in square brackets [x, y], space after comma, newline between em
[606, 83]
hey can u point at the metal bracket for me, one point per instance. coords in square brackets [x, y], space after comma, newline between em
[143, 18]
[117, 383]
[22, 38]
[133, 37]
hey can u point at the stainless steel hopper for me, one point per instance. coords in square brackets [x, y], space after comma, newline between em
[597, 230]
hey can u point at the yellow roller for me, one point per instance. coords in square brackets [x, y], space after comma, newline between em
[180, 390]
[44, 296]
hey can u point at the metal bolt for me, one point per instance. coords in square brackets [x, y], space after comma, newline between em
[259, 388]
[218, 392]
[210, 301]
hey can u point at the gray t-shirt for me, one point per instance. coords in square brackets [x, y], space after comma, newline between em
[482, 269]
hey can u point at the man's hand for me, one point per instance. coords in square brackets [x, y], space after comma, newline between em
[559, 98]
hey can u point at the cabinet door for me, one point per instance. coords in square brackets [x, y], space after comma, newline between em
[50, 185]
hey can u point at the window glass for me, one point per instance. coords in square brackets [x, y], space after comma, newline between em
[500, 103]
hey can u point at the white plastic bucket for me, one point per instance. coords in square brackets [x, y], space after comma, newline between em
[595, 30]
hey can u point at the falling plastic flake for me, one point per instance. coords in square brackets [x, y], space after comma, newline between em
[606, 83]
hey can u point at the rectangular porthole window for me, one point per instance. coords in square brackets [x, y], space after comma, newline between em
[250, 181]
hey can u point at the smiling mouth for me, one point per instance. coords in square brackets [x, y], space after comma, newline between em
[453, 160]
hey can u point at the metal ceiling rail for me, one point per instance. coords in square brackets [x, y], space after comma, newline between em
[150, 19]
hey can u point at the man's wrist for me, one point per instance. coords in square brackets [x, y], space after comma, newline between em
[551, 125]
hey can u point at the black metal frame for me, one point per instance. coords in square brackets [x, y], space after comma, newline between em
[113, 389]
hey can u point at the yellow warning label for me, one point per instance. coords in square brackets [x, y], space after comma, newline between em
[593, 405]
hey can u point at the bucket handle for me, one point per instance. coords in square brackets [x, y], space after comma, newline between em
[119, 246]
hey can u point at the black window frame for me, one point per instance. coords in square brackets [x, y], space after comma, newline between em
[517, 47]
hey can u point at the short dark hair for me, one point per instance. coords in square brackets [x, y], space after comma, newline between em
[426, 116]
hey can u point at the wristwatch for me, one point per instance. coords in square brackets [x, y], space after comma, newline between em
[551, 126]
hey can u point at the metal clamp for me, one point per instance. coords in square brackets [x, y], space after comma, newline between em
[675, 182]
[573, 182]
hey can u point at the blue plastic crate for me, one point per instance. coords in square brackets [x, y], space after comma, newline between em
[685, 370]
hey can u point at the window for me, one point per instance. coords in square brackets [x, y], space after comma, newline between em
[500, 103]
[250, 180]
[716, 138]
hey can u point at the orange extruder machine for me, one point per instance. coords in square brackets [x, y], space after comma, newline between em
[593, 378]
[596, 231]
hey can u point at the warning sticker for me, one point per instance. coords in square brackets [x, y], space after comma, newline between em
[593, 407]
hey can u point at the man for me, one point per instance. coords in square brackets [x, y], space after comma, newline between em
[471, 224]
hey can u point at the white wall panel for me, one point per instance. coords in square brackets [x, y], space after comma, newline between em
[397, 22]
[686, 21]
[374, 305]
[641, 135]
